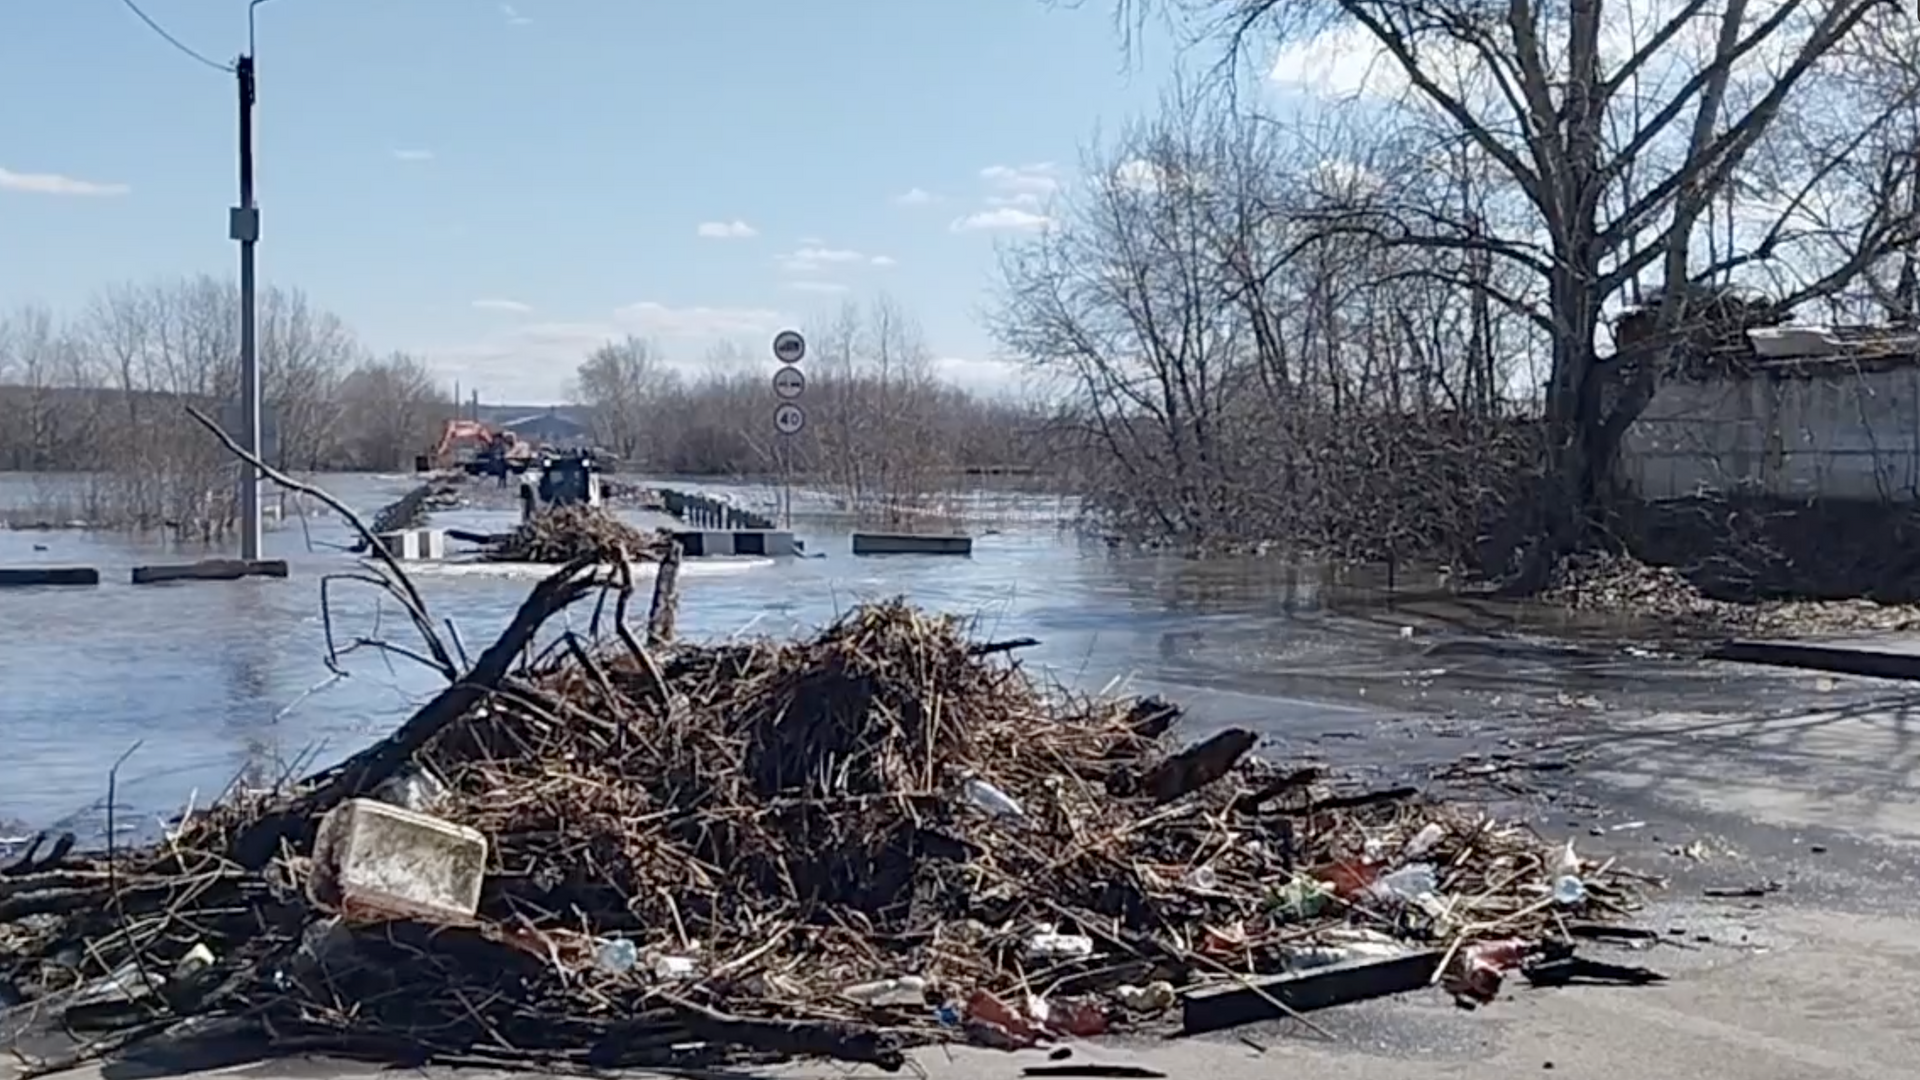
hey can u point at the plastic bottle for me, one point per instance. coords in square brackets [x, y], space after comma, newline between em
[1569, 890]
[903, 991]
[991, 799]
[1407, 884]
[615, 955]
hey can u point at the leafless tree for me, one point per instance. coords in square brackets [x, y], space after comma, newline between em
[395, 407]
[623, 383]
[1616, 125]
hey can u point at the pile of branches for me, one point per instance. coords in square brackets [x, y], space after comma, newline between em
[716, 853]
[769, 824]
[562, 534]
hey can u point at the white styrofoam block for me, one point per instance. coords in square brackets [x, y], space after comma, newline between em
[373, 860]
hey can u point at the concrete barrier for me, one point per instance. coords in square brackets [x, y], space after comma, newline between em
[415, 545]
[697, 544]
[910, 544]
[25, 576]
[210, 570]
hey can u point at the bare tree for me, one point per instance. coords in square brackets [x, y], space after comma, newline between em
[622, 382]
[1617, 125]
[393, 408]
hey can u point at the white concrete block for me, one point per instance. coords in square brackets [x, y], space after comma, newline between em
[416, 545]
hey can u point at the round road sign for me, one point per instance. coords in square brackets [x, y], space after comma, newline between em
[789, 384]
[789, 418]
[789, 347]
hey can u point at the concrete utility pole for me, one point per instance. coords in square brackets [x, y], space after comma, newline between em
[244, 226]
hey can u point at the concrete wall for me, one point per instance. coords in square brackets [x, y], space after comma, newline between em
[1838, 432]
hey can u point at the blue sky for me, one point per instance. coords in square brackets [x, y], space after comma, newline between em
[498, 187]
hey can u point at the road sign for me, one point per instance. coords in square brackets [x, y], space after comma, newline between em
[789, 418]
[789, 384]
[789, 347]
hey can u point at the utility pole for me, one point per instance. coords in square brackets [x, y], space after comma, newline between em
[244, 226]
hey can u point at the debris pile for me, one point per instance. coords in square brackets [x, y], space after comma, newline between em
[1617, 584]
[652, 854]
[562, 534]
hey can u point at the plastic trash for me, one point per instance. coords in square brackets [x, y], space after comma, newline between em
[675, 968]
[1483, 966]
[1051, 946]
[1154, 997]
[1079, 1018]
[615, 955]
[375, 861]
[1424, 841]
[414, 789]
[1405, 885]
[991, 799]
[1203, 878]
[904, 991]
[1302, 898]
[1569, 891]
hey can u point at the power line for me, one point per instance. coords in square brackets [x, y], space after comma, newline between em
[174, 41]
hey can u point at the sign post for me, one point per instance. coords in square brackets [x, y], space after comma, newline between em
[789, 418]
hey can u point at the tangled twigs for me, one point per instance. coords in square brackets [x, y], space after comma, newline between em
[367, 769]
[562, 534]
[842, 845]
[401, 585]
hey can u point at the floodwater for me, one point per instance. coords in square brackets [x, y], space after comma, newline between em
[201, 683]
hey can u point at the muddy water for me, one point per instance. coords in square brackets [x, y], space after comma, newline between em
[219, 680]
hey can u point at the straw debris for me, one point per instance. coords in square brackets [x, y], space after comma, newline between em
[841, 846]
[562, 534]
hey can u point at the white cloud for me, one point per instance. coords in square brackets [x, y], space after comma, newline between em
[55, 184]
[1002, 219]
[413, 155]
[534, 362]
[727, 230]
[1038, 179]
[512, 307]
[810, 260]
[1138, 175]
[662, 320]
[978, 376]
[915, 197]
[513, 16]
[884, 260]
[816, 286]
[1342, 62]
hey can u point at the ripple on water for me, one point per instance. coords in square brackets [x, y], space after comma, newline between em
[229, 679]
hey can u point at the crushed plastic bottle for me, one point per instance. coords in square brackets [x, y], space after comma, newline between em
[991, 799]
[674, 968]
[615, 955]
[1405, 885]
[1051, 946]
[906, 990]
[1569, 891]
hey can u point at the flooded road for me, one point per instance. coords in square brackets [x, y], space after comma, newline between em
[219, 680]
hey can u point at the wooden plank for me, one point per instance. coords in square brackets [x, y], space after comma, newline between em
[1224, 1005]
[1839, 660]
[25, 576]
[210, 570]
[910, 544]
